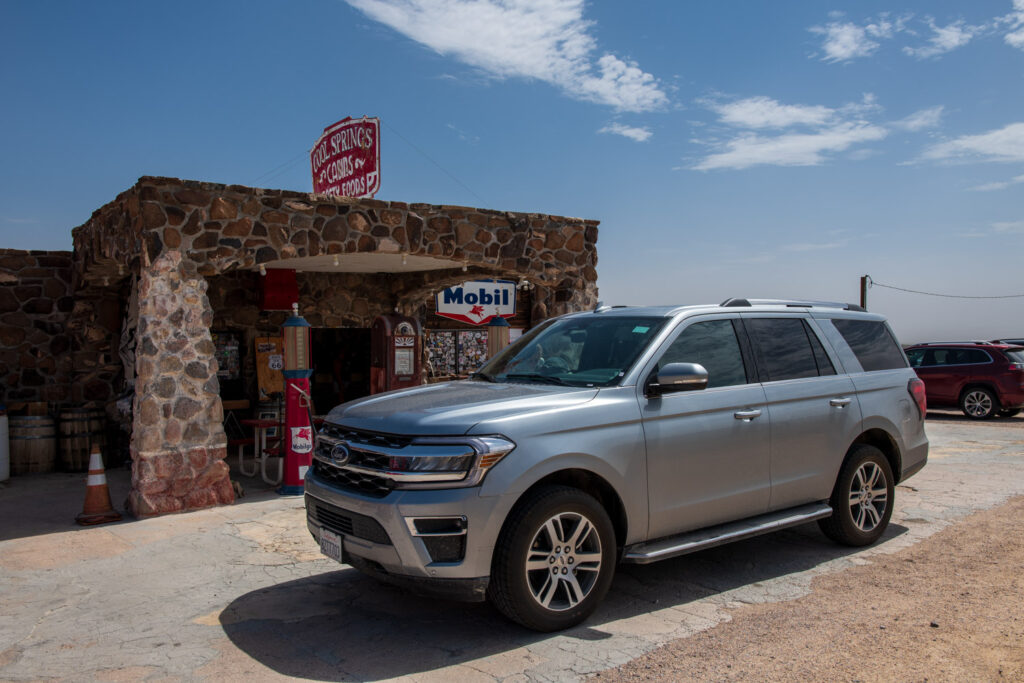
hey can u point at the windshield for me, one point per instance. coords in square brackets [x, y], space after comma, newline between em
[590, 351]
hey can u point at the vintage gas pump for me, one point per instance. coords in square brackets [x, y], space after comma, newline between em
[298, 432]
[396, 347]
[498, 333]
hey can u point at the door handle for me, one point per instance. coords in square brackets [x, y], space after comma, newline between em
[840, 402]
[747, 415]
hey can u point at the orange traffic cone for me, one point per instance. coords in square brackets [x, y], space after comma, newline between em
[97, 508]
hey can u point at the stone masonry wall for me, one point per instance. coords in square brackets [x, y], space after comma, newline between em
[227, 227]
[178, 444]
[35, 348]
[173, 233]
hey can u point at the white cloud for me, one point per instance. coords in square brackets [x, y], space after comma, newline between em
[813, 246]
[991, 187]
[944, 39]
[764, 112]
[1015, 38]
[794, 149]
[547, 40]
[845, 41]
[922, 119]
[1004, 144]
[638, 134]
[809, 135]
[463, 135]
[1014, 227]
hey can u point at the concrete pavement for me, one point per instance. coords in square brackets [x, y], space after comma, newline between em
[242, 591]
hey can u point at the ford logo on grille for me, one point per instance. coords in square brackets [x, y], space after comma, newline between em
[340, 454]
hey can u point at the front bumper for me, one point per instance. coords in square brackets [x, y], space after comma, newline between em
[379, 535]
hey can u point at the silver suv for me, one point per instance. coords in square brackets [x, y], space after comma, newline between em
[620, 435]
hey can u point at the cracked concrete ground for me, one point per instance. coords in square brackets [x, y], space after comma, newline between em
[242, 592]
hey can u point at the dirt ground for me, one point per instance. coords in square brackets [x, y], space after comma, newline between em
[950, 608]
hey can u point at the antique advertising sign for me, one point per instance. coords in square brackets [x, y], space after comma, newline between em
[346, 158]
[478, 302]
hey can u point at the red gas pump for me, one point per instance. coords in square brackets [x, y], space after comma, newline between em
[298, 432]
[396, 348]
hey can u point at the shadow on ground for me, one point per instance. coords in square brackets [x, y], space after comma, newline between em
[37, 504]
[954, 417]
[343, 626]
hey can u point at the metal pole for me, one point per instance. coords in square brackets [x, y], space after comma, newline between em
[864, 292]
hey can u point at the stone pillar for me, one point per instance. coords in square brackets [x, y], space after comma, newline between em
[178, 443]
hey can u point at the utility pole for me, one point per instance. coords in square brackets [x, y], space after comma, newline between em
[864, 291]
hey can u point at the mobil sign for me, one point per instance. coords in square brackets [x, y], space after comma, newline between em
[478, 302]
[346, 158]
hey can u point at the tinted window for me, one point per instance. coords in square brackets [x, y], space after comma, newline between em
[1015, 356]
[785, 349]
[974, 356]
[871, 343]
[713, 344]
[825, 366]
[916, 357]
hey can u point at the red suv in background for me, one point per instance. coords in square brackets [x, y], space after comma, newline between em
[983, 379]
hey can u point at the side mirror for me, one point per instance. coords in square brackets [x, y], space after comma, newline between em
[676, 377]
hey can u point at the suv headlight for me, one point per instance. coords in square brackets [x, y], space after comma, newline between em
[425, 463]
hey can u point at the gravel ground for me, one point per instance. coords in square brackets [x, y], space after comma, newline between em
[946, 609]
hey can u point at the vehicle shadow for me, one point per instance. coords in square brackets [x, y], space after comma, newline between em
[343, 626]
[955, 416]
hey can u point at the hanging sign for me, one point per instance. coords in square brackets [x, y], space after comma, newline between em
[478, 302]
[346, 159]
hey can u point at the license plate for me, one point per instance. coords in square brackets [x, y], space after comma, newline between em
[330, 544]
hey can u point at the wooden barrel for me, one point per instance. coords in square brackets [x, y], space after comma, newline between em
[80, 428]
[33, 444]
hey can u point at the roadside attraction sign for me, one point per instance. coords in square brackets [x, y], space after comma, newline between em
[346, 158]
[478, 302]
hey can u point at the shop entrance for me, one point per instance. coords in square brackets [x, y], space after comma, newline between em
[341, 362]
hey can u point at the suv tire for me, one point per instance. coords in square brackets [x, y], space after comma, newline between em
[554, 560]
[978, 403]
[862, 498]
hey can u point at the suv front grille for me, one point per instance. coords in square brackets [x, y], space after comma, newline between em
[357, 482]
[347, 523]
[353, 480]
[368, 438]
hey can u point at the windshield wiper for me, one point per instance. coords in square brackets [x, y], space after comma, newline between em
[484, 376]
[537, 377]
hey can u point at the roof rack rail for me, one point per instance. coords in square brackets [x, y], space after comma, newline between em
[731, 303]
[602, 307]
[977, 342]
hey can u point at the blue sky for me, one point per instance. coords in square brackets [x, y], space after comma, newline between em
[728, 148]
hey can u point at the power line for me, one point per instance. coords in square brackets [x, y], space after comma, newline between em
[428, 158]
[872, 283]
[274, 172]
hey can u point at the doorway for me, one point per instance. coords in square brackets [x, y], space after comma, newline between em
[341, 362]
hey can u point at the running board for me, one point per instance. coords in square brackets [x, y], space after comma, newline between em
[692, 541]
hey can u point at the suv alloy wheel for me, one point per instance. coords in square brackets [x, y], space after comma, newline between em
[554, 560]
[861, 501]
[978, 403]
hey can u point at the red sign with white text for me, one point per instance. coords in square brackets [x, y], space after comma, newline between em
[346, 158]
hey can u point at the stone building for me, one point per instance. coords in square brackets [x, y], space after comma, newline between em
[162, 270]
